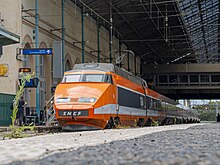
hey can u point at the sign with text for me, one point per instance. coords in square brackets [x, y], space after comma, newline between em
[24, 70]
[37, 51]
[73, 113]
[31, 84]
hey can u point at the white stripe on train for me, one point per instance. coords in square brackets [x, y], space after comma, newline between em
[112, 109]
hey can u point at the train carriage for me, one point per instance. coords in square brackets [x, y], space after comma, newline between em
[102, 95]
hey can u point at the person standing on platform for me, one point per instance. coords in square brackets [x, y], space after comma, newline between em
[20, 113]
[218, 118]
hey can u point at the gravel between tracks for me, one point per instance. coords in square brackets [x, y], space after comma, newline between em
[175, 145]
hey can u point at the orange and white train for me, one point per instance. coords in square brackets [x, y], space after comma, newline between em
[102, 95]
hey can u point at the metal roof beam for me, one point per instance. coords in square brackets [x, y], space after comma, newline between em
[165, 18]
[133, 28]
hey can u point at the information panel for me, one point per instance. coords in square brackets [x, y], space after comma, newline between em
[37, 51]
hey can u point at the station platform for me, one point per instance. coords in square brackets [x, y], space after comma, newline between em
[34, 149]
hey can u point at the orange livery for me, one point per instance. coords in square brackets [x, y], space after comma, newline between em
[102, 95]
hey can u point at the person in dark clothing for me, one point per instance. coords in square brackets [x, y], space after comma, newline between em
[20, 113]
[218, 118]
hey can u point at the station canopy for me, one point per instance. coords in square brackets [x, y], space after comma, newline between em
[7, 38]
[161, 31]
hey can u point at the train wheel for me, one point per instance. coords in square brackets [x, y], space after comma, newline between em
[163, 122]
[116, 122]
[149, 122]
[110, 124]
[184, 121]
[140, 122]
[167, 121]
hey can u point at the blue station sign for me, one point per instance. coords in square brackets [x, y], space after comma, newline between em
[37, 51]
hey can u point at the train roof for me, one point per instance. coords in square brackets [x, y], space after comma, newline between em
[109, 67]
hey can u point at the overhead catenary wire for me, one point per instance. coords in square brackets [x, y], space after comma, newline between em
[98, 15]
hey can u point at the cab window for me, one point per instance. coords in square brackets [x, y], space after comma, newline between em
[93, 78]
[88, 78]
[72, 78]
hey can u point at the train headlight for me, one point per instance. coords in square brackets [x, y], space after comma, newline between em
[63, 100]
[86, 100]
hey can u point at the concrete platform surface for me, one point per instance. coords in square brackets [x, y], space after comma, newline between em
[37, 147]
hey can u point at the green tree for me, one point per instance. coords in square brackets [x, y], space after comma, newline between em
[207, 112]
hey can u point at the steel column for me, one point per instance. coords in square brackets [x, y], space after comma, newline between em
[128, 61]
[37, 58]
[120, 45]
[83, 44]
[135, 65]
[98, 39]
[110, 33]
[63, 37]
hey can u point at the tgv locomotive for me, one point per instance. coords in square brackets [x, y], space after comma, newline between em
[102, 95]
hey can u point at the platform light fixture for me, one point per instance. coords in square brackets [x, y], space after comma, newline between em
[177, 59]
[25, 70]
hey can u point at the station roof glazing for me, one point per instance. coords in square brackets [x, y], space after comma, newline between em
[152, 29]
[162, 31]
[201, 18]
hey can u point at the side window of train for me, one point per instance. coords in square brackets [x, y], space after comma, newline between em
[154, 103]
[151, 103]
[159, 104]
[148, 102]
[141, 102]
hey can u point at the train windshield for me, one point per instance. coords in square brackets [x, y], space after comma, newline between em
[72, 78]
[88, 78]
